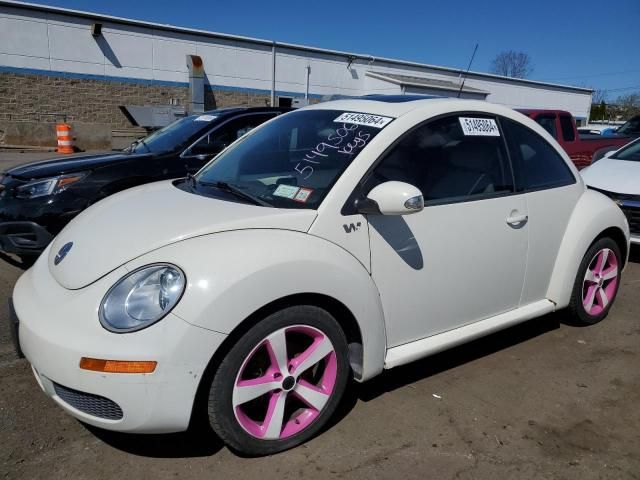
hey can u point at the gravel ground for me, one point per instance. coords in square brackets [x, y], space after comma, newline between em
[540, 400]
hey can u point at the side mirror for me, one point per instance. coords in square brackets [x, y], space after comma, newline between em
[394, 198]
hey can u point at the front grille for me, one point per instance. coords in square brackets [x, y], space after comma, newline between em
[89, 403]
[630, 206]
[633, 217]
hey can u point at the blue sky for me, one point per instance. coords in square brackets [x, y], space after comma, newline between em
[594, 45]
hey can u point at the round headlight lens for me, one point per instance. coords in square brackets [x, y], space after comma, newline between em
[142, 297]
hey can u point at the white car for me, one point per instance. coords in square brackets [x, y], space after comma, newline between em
[331, 242]
[617, 175]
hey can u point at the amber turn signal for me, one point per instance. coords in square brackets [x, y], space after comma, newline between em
[117, 366]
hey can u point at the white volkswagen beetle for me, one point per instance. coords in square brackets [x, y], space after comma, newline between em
[331, 242]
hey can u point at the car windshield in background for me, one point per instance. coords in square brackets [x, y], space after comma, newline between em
[294, 160]
[631, 152]
[632, 127]
[173, 135]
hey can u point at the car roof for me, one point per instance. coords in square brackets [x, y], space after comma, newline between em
[398, 105]
[388, 105]
[243, 109]
[541, 111]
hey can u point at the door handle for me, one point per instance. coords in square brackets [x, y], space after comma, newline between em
[516, 220]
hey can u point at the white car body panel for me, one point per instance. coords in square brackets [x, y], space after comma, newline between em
[414, 284]
[61, 329]
[167, 215]
[413, 351]
[287, 263]
[593, 214]
[549, 213]
[435, 282]
[612, 175]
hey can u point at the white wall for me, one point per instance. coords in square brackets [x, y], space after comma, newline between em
[48, 41]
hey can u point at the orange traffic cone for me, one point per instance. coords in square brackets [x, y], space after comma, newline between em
[65, 142]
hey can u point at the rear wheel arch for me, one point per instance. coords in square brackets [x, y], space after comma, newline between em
[594, 216]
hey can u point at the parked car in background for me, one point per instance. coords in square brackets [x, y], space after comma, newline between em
[330, 243]
[581, 148]
[598, 129]
[617, 175]
[631, 127]
[38, 199]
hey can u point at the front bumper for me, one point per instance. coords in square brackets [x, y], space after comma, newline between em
[59, 326]
[25, 238]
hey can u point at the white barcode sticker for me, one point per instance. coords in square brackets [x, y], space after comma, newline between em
[286, 191]
[205, 118]
[365, 119]
[483, 127]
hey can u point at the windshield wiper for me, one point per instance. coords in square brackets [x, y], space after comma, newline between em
[224, 186]
[138, 142]
[191, 180]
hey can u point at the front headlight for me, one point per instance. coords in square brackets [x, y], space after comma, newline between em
[47, 186]
[141, 298]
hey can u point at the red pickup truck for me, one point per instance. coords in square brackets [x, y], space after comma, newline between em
[581, 148]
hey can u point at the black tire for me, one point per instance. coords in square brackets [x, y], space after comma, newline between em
[221, 412]
[578, 315]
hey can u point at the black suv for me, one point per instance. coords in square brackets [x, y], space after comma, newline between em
[38, 199]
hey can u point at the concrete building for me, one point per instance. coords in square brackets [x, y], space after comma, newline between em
[58, 64]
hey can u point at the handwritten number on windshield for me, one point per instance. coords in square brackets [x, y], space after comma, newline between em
[335, 142]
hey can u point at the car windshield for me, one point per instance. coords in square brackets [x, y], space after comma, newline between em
[173, 135]
[632, 127]
[631, 152]
[294, 160]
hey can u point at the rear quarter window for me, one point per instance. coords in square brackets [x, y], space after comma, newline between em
[566, 125]
[537, 165]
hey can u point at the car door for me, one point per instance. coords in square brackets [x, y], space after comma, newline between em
[552, 193]
[462, 259]
[220, 137]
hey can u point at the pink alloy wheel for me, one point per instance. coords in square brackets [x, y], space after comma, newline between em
[600, 282]
[285, 382]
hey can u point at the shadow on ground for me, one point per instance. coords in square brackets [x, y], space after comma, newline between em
[399, 377]
[195, 442]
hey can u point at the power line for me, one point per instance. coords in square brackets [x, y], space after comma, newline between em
[637, 87]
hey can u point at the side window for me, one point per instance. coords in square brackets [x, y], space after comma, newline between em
[537, 164]
[447, 165]
[220, 138]
[548, 122]
[568, 133]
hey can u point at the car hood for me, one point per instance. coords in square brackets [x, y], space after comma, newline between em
[618, 176]
[136, 221]
[75, 163]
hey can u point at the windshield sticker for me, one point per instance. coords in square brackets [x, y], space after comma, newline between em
[365, 119]
[286, 191]
[479, 127]
[205, 118]
[303, 195]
